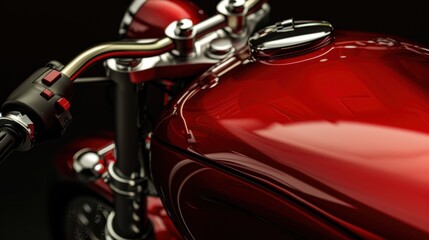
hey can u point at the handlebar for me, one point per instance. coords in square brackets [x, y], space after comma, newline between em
[16, 133]
[9, 141]
[226, 17]
[39, 108]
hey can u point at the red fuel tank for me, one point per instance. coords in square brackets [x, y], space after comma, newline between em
[332, 143]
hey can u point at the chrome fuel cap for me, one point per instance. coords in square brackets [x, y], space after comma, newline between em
[290, 38]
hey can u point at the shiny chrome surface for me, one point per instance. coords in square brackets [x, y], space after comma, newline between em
[169, 65]
[103, 151]
[128, 17]
[131, 188]
[219, 48]
[135, 48]
[111, 234]
[289, 38]
[110, 230]
[184, 28]
[115, 49]
[211, 24]
[235, 12]
[88, 164]
[126, 186]
[154, 16]
[191, 66]
[182, 33]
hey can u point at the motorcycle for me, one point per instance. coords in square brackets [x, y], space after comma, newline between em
[227, 127]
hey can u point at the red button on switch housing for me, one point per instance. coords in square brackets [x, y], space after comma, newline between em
[63, 104]
[51, 77]
[47, 94]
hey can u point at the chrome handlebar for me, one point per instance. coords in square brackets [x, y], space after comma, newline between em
[229, 16]
[235, 17]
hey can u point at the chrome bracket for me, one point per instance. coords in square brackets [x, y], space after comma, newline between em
[131, 187]
[186, 60]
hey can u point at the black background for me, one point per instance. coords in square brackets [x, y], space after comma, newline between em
[35, 32]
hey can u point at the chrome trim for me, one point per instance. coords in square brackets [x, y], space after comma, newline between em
[106, 149]
[92, 80]
[168, 65]
[219, 20]
[129, 187]
[88, 164]
[122, 49]
[128, 17]
[112, 235]
[235, 12]
[289, 38]
[209, 24]
[135, 6]
[110, 231]
[219, 48]
[183, 34]
[125, 24]
[138, 49]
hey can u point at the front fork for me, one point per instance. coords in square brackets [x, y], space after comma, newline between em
[136, 106]
[126, 177]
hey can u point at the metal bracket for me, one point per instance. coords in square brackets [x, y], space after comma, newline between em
[131, 187]
[205, 53]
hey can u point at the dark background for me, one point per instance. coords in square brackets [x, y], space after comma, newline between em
[35, 32]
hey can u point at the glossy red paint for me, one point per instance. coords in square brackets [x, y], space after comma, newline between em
[336, 140]
[154, 16]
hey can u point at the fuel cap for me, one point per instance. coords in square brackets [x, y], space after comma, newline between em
[290, 38]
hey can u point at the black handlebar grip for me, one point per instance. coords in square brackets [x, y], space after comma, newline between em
[8, 142]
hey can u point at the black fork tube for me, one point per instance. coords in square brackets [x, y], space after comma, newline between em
[126, 136]
[130, 220]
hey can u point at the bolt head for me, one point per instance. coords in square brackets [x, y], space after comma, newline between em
[236, 6]
[184, 28]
